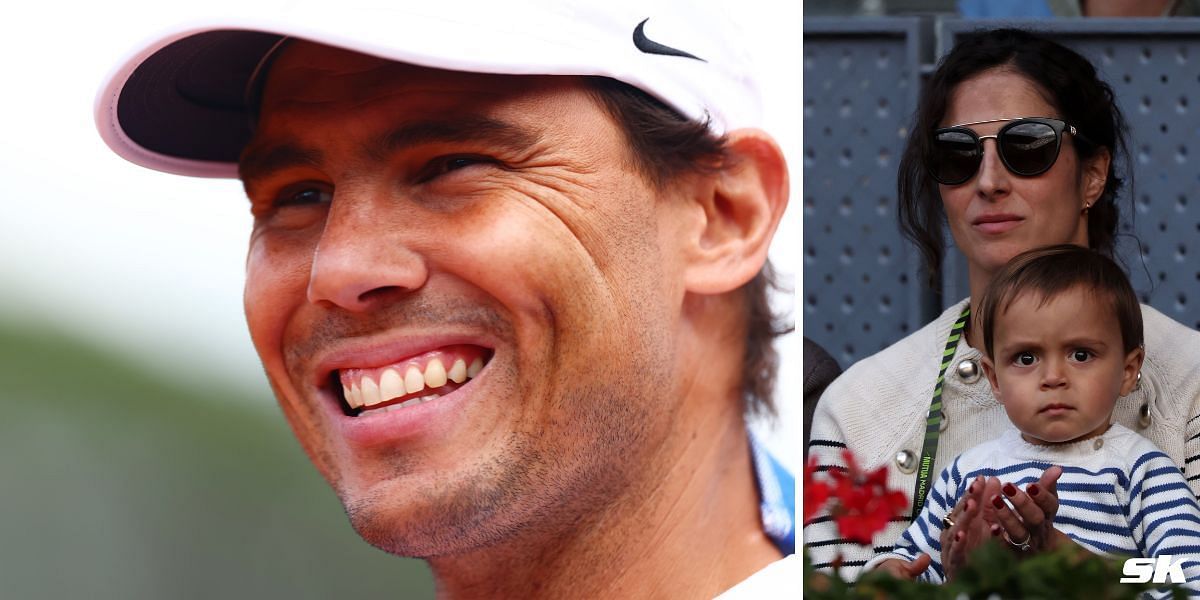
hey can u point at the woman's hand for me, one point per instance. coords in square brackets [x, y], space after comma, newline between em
[1028, 525]
[973, 522]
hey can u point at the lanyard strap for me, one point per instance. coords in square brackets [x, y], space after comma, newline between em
[933, 420]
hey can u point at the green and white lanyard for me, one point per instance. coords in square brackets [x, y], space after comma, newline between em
[933, 420]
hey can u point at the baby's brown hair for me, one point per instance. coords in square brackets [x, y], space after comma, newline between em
[1052, 270]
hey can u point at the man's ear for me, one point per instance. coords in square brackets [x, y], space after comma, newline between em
[741, 210]
[989, 369]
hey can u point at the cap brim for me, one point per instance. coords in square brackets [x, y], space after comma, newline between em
[179, 105]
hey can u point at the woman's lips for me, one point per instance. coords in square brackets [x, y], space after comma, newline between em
[996, 224]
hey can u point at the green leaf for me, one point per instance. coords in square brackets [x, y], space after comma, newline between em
[994, 571]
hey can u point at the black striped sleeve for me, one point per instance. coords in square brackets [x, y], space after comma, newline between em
[1191, 451]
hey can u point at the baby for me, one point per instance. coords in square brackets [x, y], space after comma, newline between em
[1062, 331]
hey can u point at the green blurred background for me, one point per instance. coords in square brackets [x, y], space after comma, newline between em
[119, 483]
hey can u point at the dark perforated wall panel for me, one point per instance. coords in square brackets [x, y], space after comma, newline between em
[861, 287]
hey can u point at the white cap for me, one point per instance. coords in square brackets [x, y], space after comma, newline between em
[179, 104]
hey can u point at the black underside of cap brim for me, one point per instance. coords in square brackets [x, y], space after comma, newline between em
[188, 100]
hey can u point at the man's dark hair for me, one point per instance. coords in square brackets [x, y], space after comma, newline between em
[667, 145]
[1052, 270]
[1068, 82]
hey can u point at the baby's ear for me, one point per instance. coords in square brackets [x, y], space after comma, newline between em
[990, 370]
[1133, 366]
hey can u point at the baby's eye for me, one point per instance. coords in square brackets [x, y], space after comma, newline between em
[1081, 355]
[1025, 359]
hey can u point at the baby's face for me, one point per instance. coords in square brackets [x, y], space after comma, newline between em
[1059, 367]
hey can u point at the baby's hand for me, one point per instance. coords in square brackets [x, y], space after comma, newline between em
[905, 569]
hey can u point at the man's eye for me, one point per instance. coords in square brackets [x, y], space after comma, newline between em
[459, 162]
[1081, 355]
[304, 194]
[1025, 359]
[445, 164]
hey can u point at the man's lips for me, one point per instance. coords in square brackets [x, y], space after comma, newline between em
[365, 377]
[996, 223]
[412, 380]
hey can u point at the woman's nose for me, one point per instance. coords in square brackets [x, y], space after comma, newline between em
[994, 180]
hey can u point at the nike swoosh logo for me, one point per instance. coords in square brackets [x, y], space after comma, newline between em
[650, 46]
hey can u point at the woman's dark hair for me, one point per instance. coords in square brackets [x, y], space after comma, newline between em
[1072, 87]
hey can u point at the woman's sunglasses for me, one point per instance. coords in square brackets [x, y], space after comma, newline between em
[1028, 146]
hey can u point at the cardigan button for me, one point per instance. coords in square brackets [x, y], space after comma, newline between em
[1144, 415]
[968, 371]
[1098, 444]
[906, 460]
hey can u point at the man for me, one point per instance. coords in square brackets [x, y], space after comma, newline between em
[504, 278]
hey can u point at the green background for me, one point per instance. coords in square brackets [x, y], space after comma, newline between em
[117, 483]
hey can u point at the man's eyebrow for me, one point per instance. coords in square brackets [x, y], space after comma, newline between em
[466, 129]
[259, 162]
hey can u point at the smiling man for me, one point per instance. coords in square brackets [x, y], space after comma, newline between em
[506, 278]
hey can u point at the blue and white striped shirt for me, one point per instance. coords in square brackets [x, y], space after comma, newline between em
[1118, 495]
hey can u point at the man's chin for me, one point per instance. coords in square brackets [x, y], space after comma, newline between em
[516, 490]
[402, 532]
[452, 514]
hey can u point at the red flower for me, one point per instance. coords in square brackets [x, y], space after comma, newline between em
[863, 504]
[815, 492]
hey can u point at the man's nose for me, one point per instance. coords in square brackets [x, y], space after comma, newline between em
[361, 257]
[994, 179]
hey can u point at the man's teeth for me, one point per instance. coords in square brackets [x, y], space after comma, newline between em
[458, 372]
[435, 374]
[414, 381]
[370, 391]
[410, 402]
[366, 392]
[390, 384]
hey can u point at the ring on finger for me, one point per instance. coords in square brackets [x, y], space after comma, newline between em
[1023, 545]
[947, 522]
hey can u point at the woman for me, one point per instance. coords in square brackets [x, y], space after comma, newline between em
[1015, 146]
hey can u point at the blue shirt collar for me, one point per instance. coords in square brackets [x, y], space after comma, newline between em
[777, 494]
